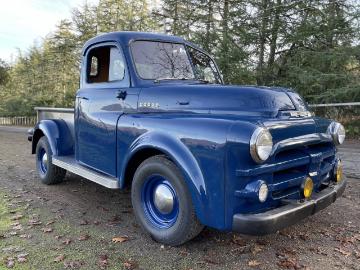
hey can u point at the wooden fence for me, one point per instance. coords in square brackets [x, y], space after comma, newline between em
[26, 121]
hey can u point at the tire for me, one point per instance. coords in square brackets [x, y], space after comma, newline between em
[168, 223]
[49, 173]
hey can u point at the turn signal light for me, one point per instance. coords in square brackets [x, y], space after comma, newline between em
[308, 186]
[339, 172]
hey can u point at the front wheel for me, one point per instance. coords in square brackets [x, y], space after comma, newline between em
[162, 202]
[49, 173]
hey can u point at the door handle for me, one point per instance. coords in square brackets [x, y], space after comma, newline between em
[183, 102]
[80, 97]
[121, 94]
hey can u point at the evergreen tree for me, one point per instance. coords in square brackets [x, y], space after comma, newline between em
[312, 46]
[4, 72]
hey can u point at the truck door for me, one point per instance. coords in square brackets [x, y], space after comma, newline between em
[101, 100]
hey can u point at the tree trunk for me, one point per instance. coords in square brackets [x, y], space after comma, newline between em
[176, 19]
[208, 25]
[225, 41]
[262, 41]
[274, 35]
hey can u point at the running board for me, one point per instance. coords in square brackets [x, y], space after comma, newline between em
[70, 164]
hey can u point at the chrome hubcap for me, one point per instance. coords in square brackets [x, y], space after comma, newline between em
[163, 199]
[44, 160]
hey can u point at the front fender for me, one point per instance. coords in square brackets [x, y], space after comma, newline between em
[183, 158]
[58, 134]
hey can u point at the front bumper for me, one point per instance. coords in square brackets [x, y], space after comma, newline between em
[273, 220]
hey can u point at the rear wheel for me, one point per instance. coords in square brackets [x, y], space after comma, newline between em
[162, 202]
[49, 173]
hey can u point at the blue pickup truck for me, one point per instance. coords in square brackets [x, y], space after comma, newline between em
[153, 114]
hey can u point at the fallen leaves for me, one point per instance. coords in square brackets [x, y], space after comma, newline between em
[256, 249]
[243, 246]
[47, 230]
[84, 222]
[73, 264]
[343, 252]
[59, 258]
[17, 217]
[114, 220]
[17, 227]
[288, 263]
[10, 262]
[120, 239]
[288, 259]
[103, 261]
[211, 260]
[130, 264]
[238, 240]
[254, 263]
[304, 236]
[318, 250]
[34, 222]
[21, 258]
[83, 237]
[66, 242]
[50, 222]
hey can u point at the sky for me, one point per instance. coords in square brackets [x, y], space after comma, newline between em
[25, 22]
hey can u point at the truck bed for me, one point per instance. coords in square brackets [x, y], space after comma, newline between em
[69, 163]
[66, 114]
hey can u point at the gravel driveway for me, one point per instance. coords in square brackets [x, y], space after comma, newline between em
[81, 225]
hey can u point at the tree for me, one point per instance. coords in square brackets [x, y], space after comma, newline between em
[124, 15]
[312, 46]
[4, 72]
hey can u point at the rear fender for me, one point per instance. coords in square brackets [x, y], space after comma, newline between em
[58, 134]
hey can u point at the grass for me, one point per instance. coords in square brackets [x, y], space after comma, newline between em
[42, 248]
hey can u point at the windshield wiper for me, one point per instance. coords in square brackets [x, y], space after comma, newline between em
[203, 81]
[171, 79]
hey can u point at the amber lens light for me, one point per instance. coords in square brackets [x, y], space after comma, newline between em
[339, 172]
[308, 187]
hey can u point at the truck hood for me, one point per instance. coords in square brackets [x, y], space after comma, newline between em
[219, 99]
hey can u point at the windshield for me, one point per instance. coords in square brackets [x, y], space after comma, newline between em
[160, 60]
[170, 61]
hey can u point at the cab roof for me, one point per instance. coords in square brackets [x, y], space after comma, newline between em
[125, 37]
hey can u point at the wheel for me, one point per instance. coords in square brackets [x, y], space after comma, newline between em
[162, 203]
[49, 173]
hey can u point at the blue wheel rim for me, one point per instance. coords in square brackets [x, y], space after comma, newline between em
[43, 167]
[157, 218]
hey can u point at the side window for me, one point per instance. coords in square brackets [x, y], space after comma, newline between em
[204, 67]
[117, 65]
[105, 64]
[94, 66]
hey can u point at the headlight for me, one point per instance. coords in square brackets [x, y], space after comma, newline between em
[261, 145]
[337, 132]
